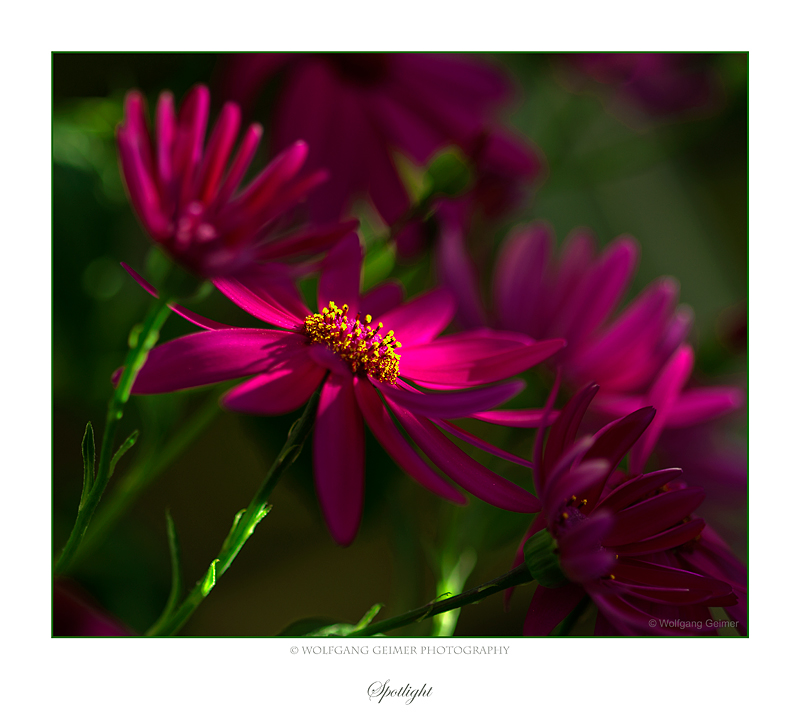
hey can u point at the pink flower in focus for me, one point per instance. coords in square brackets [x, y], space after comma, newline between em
[627, 540]
[367, 351]
[187, 200]
[356, 109]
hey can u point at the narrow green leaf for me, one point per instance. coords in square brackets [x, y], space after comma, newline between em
[176, 588]
[369, 616]
[87, 450]
[127, 445]
[210, 579]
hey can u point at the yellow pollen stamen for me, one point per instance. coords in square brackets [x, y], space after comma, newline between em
[364, 348]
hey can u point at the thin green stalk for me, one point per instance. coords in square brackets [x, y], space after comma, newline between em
[518, 576]
[142, 340]
[143, 475]
[243, 524]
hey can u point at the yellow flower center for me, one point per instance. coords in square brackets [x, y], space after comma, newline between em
[360, 345]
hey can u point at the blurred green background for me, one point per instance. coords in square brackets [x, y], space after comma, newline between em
[678, 185]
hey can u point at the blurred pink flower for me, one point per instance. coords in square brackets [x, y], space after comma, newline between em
[189, 204]
[356, 109]
[637, 355]
[374, 355]
[657, 83]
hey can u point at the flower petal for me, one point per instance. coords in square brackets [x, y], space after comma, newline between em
[531, 418]
[268, 293]
[420, 319]
[480, 443]
[654, 515]
[703, 404]
[461, 468]
[382, 298]
[449, 405]
[550, 606]
[519, 277]
[382, 426]
[339, 458]
[310, 242]
[444, 364]
[212, 356]
[341, 275]
[192, 317]
[282, 389]
[666, 388]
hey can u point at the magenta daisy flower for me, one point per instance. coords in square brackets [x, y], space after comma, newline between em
[357, 109]
[186, 195]
[619, 538]
[378, 360]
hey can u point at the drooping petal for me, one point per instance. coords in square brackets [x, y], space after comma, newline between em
[449, 405]
[212, 356]
[461, 468]
[550, 606]
[382, 426]
[516, 418]
[480, 443]
[192, 317]
[339, 458]
[284, 388]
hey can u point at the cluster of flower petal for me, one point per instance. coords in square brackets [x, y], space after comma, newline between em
[356, 110]
[627, 540]
[287, 365]
[638, 357]
[186, 195]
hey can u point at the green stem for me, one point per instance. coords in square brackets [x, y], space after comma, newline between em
[518, 576]
[243, 524]
[142, 341]
[143, 475]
